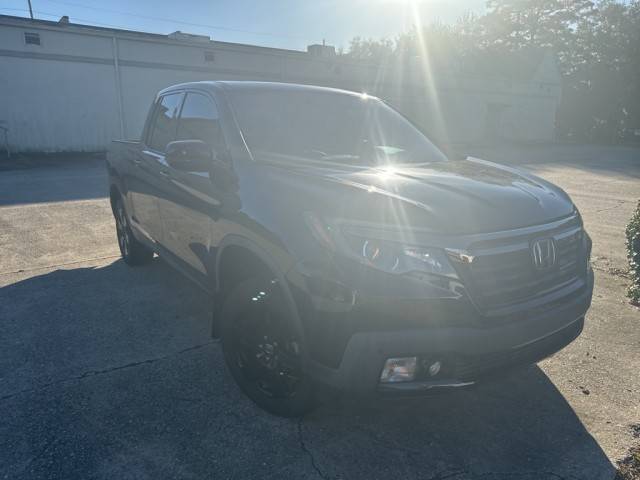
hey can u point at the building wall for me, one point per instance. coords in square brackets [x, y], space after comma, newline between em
[83, 87]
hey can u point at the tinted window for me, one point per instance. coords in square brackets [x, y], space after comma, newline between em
[164, 125]
[329, 126]
[199, 121]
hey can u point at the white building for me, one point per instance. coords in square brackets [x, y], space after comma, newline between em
[70, 87]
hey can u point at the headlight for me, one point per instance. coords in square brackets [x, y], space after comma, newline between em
[384, 255]
[392, 257]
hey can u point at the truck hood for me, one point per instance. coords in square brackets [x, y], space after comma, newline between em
[469, 196]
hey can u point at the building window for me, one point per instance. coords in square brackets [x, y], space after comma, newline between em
[31, 38]
[209, 56]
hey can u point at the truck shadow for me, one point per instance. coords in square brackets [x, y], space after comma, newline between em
[519, 426]
[117, 363]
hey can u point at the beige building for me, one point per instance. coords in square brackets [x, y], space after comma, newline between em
[70, 87]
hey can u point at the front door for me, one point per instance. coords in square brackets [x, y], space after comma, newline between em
[191, 208]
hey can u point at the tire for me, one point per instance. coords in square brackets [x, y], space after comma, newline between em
[263, 350]
[133, 252]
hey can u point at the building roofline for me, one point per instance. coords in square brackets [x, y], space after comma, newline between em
[79, 28]
[111, 31]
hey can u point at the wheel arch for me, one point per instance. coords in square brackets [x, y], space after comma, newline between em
[258, 259]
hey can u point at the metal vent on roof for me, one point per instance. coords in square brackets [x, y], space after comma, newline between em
[31, 38]
[325, 51]
[189, 37]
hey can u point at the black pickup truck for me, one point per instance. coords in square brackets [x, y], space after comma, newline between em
[344, 249]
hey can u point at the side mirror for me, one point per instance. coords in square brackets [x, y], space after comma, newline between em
[189, 155]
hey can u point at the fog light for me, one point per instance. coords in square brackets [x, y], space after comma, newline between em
[434, 368]
[399, 370]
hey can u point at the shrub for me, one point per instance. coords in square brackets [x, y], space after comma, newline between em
[633, 253]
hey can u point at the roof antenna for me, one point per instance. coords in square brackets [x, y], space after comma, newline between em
[30, 9]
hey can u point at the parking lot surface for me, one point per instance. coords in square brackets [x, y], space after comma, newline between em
[110, 372]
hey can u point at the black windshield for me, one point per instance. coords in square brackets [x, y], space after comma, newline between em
[335, 127]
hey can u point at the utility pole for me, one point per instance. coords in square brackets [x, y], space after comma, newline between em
[30, 9]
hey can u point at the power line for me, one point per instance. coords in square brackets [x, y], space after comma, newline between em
[14, 9]
[120, 27]
[57, 15]
[173, 21]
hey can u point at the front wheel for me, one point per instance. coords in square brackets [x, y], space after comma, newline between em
[132, 251]
[263, 350]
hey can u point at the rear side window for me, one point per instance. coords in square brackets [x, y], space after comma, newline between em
[199, 120]
[164, 123]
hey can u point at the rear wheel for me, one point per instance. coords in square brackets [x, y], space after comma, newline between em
[263, 349]
[133, 252]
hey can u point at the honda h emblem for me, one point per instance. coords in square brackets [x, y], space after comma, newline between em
[544, 253]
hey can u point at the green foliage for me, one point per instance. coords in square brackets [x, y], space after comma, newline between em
[516, 24]
[597, 44]
[370, 49]
[443, 43]
[633, 253]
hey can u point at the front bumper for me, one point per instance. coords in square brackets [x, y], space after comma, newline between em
[469, 353]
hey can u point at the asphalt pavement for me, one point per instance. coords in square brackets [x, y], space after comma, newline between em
[109, 372]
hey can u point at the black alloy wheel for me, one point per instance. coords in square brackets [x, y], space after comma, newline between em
[264, 350]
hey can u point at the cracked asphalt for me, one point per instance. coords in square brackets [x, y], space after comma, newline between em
[109, 372]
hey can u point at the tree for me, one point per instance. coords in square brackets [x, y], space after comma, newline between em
[370, 49]
[513, 25]
[597, 43]
[602, 80]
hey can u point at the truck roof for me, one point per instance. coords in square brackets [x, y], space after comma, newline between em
[253, 86]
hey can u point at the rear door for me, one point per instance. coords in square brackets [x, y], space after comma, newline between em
[149, 177]
[192, 206]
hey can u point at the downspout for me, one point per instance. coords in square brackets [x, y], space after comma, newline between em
[116, 65]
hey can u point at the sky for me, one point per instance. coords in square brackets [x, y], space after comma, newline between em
[275, 23]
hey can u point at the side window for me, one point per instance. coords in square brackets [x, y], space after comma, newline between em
[164, 122]
[199, 120]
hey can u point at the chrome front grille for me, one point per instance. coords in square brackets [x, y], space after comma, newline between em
[503, 273]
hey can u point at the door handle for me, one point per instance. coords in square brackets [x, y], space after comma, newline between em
[165, 174]
[137, 161]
